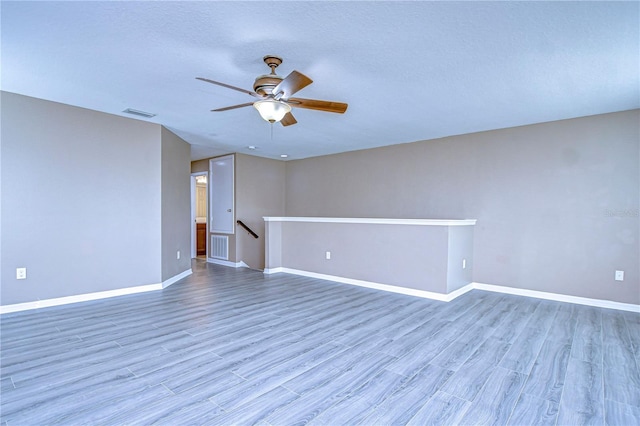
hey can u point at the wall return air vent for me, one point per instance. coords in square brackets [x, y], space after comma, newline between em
[219, 248]
[139, 113]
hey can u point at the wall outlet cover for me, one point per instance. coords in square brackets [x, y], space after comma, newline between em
[21, 273]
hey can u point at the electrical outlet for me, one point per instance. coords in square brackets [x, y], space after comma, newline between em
[21, 273]
[178, 255]
[327, 255]
[619, 275]
[464, 263]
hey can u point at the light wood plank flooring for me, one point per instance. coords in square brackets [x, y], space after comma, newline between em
[227, 346]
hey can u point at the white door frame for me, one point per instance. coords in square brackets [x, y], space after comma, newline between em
[194, 239]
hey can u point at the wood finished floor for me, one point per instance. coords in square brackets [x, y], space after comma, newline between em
[227, 346]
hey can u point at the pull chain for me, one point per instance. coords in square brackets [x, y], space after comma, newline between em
[271, 132]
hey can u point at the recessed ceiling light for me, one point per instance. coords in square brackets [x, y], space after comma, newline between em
[283, 155]
[139, 113]
[251, 147]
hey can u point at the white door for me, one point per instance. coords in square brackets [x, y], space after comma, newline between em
[221, 207]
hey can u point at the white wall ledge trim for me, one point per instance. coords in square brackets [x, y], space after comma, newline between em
[377, 221]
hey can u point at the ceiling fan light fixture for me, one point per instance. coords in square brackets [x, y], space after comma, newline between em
[272, 110]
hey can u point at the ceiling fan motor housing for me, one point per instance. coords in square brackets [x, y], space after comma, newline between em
[264, 84]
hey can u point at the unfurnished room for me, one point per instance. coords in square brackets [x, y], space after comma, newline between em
[319, 212]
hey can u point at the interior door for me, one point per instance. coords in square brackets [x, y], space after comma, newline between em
[221, 195]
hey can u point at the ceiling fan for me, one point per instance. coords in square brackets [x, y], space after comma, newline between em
[274, 95]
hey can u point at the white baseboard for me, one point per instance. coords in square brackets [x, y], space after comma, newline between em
[46, 303]
[5, 309]
[599, 303]
[240, 264]
[459, 292]
[378, 286]
[474, 285]
[175, 278]
[78, 298]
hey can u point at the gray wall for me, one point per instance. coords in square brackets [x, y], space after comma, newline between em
[259, 193]
[460, 248]
[557, 203]
[81, 200]
[371, 252]
[176, 208]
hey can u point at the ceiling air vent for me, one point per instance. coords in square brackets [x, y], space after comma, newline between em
[139, 113]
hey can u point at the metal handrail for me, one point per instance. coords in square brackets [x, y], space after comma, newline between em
[239, 222]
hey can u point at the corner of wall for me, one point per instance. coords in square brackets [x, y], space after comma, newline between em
[176, 206]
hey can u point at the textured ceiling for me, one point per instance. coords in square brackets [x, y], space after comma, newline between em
[408, 70]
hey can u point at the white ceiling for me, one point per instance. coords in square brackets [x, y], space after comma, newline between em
[408, 70]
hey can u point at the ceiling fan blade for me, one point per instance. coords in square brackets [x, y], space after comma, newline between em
[228, 86]
[288, 119]
[328, 106]
[291, 84]
[233, 107]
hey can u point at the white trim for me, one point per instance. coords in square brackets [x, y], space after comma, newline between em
[459, 292]
[194, 226]
[378, 286]
[599, 303]
[175, 278]
[377, 221]
[45, 303]
[240, 264]
[78, 298]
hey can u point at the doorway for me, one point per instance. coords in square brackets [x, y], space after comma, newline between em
[199, 232]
